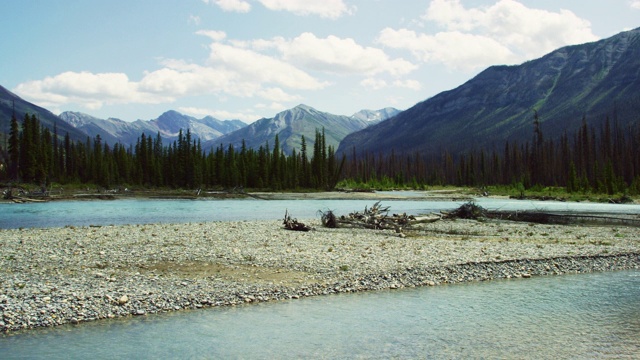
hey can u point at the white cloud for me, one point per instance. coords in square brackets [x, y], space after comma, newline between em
[528, 32]
[260, 68]
[454, 49]
[506, 32]
[231, 5]
[213, 34]
[333, 55]
[408, 84]
[337, 55]
[91, 90]
[331, 9]
[179, 79]
[277, 107]
[194, 19]
[230, 71]
[277, 94]
[273, 106]
[394, 100]
[635, 4]
[452, 14]
[378, 84]
[373, 84]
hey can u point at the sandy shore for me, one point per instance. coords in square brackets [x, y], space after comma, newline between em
[55, 276]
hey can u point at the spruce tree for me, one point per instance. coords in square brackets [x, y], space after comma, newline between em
[14, 148]
[275, 179]
[27, 151]
[304, 163]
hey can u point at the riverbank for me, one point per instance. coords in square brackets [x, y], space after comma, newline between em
[445, 194]
[457, 194]
[65, 275]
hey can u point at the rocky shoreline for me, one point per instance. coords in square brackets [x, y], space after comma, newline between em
[57, 276]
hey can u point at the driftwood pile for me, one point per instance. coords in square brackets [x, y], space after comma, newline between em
[376, 217]
[468, 210]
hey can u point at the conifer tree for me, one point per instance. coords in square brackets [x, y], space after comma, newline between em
[275, 180]
[304, 166]
[14, 148]
[27, 151]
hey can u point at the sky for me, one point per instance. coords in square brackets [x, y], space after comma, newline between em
[249, 59]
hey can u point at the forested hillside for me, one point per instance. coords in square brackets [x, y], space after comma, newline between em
[603, 159]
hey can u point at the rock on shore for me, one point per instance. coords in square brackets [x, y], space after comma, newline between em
[65, 275]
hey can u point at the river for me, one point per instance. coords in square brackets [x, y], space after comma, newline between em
[585, 316]
[136, 211]
[572, 316]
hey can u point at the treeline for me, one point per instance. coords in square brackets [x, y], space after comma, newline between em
[33, 154]
[604, 159]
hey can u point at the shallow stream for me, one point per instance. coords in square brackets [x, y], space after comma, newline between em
[586, 316]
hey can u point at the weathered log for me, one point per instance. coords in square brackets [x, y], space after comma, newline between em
[293, 224]
[426, 219]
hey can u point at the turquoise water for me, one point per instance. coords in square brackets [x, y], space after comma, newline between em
[128, 211]
[588, 316]
[133, 211]
[582, 316]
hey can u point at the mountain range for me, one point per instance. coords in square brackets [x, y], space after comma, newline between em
[302, 120]
[290, 125]
[591, 81]
[168, 125]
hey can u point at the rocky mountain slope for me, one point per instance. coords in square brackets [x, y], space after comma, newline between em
[10, 102]
[595, 80]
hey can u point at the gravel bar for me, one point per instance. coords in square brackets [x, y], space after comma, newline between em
[56, 276]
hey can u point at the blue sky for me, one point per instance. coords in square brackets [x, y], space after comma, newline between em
[248, 59]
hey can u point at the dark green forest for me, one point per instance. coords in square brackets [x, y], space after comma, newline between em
[603, 159]
[35, 155]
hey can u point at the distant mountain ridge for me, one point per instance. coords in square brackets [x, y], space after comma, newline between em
[302, 120]
[168, 125]
[595, 80]
[376, 116]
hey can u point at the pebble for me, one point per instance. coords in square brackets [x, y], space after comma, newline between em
[134, 270]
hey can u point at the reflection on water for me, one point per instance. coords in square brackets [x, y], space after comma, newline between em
[572, 316]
